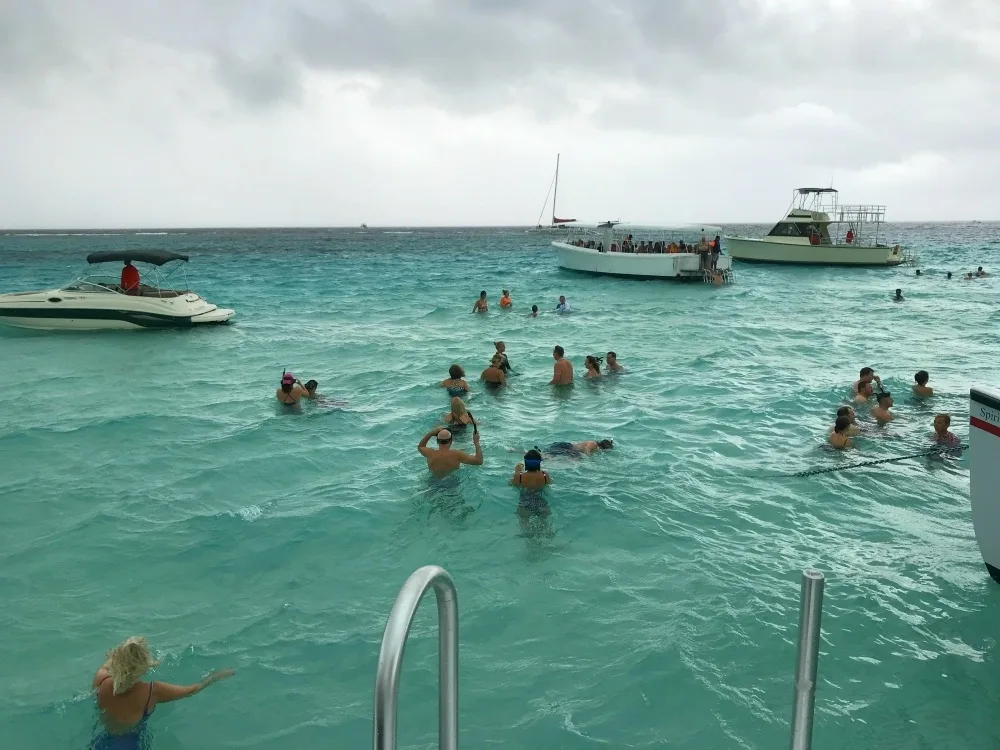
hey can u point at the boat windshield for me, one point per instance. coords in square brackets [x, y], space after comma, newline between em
[151, 283]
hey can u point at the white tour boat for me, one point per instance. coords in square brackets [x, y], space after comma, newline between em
[818, 231]
[646, 252]
[97, 302]
[557, 223]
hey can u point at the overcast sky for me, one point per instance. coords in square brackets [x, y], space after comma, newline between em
[442, 112]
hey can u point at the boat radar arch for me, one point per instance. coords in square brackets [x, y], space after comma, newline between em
[984, 474]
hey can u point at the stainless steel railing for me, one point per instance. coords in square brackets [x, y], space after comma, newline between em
[810, 613]
[390, 658]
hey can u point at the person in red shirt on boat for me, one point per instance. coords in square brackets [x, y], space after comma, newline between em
[850, 236]
[130, 278]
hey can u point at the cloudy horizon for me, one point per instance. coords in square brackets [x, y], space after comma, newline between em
[436, 113]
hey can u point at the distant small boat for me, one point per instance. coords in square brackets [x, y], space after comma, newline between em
[557, 223]
[363, 225]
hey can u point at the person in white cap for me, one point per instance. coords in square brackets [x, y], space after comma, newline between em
[444, 459]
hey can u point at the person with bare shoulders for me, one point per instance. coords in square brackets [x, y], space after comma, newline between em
[838, 438]
[493, 375]
[611, 360]
[593, 366]
[444, 460]
[125, 702]
[501, 348]
[459, 417]
[455, 382]
[532, 481]
[852, 420]
[881, 412]
[867, 376]
[291, 391]
[920, 388]
[481, 305]
[864, 393]
[562, 371]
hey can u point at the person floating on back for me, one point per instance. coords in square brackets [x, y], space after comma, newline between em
[443, 460]
[582, 448]
[505, 301]
[125, 702]
[920, 388]
[481, 305]
[838, 438]
[562, 371]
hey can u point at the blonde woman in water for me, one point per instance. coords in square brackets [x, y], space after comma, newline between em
[125, 701]
[459, 417]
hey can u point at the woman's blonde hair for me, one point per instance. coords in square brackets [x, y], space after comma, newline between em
[457, 407]
[128, 661]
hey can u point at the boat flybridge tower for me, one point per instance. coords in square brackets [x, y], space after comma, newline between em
[863, 221]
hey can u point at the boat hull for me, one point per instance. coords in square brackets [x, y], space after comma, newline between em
[59, 310]
[634, 265]
[749, 250]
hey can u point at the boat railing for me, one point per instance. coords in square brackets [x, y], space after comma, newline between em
[860, 214]
[390, 658]
[397, 629]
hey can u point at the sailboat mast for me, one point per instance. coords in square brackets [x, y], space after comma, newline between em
[555, 193]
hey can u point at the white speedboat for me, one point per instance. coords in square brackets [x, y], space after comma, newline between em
[557, 223]
[97, 302]
[818, 231]
[646, 252]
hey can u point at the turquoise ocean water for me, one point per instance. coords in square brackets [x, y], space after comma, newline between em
[148, 485]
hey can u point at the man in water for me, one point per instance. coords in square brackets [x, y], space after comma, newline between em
[881, 412]
[899, 296]
[130, 278]
[583, 448]
[444, 460]
[562, 371]
[980, 272]
[918, 272]
[563, 305]
[852, 421]
[838, 438]
[481, 306]
[921, 389]
[867, 376]
[611, 359]
[501, 348]
[534, 311]
[864, 392]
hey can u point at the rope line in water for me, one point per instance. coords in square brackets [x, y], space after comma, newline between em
[934, 452]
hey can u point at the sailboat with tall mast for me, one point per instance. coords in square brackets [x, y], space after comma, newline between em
[557, 223]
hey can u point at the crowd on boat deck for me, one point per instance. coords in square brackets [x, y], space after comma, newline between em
[708, 249]
[863, 390]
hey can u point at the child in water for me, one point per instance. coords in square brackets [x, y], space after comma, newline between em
[532, 481]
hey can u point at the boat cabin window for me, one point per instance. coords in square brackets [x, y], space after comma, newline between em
[789, 229]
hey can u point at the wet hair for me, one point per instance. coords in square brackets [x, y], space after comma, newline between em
[458, 407]
[456, 372]
[841, 424]
[482, 293]
[980, 268]
[918, 272]
[497, 359]
[844, 411]
[311, 385]
[595, 361]
[559, 350]
[867, 371]
[946, 418]
[605, 444]
[127, 662]
[883, 394]
[899, 292]
[533, 459]
[505, 291]
[922, 377]
[287, 387]
[534, 308]
[612, 355]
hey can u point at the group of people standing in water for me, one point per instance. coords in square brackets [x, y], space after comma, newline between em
[528, 477]
[864, 389]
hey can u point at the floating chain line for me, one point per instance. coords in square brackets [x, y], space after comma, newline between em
[935, 452]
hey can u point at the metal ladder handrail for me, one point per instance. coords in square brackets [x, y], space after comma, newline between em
[810, 615]
[390, 658]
